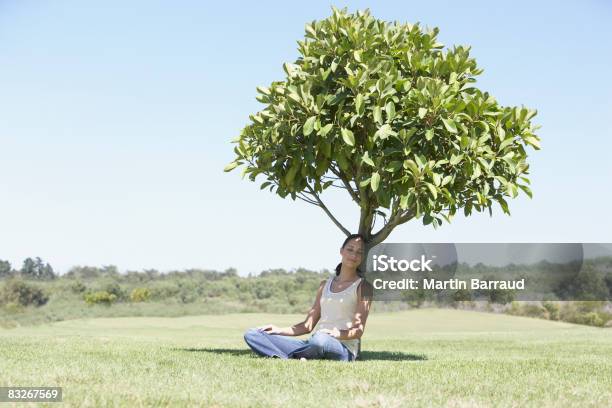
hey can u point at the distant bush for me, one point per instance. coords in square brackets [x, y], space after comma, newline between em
[608, 280]
[115, 289]
[92, 272]
[552, 309]
[22, 293]
[140, 295]
[462, 295]
[164, 290]
[5, 269]
[589, 313]
[13, 308]
[100, 297]
[500, 296]
[529, 310]
[78, 287]
[586, 285]
[37, 269]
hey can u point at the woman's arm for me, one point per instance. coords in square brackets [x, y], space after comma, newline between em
[364, 302]
[311, 320]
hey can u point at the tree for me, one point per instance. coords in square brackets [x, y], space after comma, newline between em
[37, 269]
[5, 269]
[383, 112]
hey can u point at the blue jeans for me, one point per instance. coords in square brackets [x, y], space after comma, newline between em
[319, 346]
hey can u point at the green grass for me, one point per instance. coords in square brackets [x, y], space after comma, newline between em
[431, 357]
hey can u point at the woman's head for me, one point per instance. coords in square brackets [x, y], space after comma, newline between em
[352, 252]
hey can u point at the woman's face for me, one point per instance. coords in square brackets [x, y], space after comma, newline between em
[352, 253]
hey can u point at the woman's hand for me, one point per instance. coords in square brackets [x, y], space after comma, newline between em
[332, 332]
[270, 329]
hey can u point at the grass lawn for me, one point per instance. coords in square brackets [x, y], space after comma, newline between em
[430, 357]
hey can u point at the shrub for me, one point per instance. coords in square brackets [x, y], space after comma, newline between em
[115, 289]
[589, 313]
[187, 296]
[78, 287]
[462, 295]
[552, 309]
[164, 290]
[535, 310]
[501, 296]
[587, 285]
[591, 318]
[13, 308]
[100, 297]
[22, 293]
[140, 295]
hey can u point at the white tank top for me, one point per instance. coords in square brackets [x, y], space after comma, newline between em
[338, 310]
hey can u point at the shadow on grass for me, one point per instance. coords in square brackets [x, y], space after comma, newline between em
[365, 355]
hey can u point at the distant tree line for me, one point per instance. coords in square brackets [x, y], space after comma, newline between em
[272, 290]
[32, 268]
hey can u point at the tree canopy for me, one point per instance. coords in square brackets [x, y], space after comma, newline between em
[385, 112]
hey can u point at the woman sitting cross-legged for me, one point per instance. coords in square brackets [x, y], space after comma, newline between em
[339, 312]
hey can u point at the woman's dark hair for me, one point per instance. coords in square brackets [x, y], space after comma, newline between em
[352, 236]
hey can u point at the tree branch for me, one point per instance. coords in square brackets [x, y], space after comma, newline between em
[304, 198]
[398, 218]
[347, 184]
[329, 214]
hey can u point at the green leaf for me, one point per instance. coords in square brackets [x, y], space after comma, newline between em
[359, 106]
[393, 166]
[505, 143]
[264, 185]
[422, 112]
[375, 180]
[263, 90]
[378, 115]
[366, 159]
[501, 133]
[420, 160]
[533, 141]
[384, 132]
[433, 190]
[429, 134]
[365, 182]
[409, 164]
[348, 137]
[504, 205]
[405, 135]
[512, 190]
[335, 99]
[404, 202]
[527, 190]
[390, 109]
[357, 55]
[325, 129]
[437, 179]
[231, 166]
[290, 176]
[310, 30]
[455, 159]
[450, 125]
[309, 125]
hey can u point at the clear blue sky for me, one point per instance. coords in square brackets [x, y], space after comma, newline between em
[116, 117]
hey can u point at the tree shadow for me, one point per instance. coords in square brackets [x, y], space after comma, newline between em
[232, 352]
[364, 356]
[390, 355]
